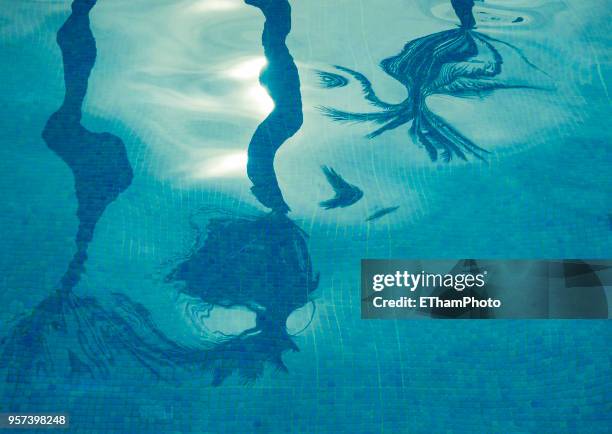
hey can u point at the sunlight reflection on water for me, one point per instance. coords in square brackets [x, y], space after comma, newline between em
[178, 82]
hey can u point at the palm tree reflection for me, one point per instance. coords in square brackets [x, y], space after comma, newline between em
[459, 62]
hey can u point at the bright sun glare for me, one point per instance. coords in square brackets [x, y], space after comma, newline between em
[230, 164]
[234, 163]
[248, 71]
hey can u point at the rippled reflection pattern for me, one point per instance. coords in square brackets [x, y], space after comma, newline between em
[82, 150]
[281, 79]
[89, 335]
[185, 276]
[460, 62]
[260, 264]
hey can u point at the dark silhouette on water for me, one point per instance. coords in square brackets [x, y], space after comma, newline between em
[98, 161]
[280, 77]
[463, 10]
[345, 194]
[381, 213]
[459, 62]
[260, 263]
[101, 172]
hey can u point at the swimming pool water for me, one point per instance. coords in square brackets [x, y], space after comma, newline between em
[161, 147]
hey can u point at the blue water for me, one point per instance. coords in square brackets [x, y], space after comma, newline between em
[176, 206]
